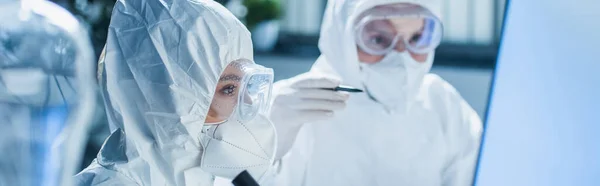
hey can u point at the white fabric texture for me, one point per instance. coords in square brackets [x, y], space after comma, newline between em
[434, 141]
[162, 62]
[229, 148]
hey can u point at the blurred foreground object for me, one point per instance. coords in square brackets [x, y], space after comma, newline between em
[47, 93]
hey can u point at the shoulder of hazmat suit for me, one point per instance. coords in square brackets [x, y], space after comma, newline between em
[162, 61]
[434, 142]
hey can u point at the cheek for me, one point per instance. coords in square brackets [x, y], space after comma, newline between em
[421, 58]
[221, 107]
[368, 58]
[224, 105]
[213, 114]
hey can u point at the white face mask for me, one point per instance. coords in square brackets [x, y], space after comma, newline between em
[234, 146]
[395, 80]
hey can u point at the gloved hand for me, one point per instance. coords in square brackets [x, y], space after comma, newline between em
[302, 99]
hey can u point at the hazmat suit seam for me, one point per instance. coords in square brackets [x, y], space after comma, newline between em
[254, 138]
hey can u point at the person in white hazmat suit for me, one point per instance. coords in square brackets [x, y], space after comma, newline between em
[408, 128]
[186, 103]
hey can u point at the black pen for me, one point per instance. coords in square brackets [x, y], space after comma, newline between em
[344, 88]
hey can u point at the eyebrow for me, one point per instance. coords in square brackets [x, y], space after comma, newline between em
[230, 77]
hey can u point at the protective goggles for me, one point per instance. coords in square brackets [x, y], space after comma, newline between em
[381, 29]
[242, 92]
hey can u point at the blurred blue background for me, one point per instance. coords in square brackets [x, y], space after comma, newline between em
[543, 122]
[286, 33]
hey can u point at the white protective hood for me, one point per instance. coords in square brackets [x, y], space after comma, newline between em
[162, 61]
[337, 45]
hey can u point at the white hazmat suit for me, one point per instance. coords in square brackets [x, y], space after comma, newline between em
[430, 138]
[162, 63]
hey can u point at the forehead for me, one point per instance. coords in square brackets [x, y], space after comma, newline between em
[405, 24]
[235, 68]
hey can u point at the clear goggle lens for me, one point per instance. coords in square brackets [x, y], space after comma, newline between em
[243, 91]
[418, 33]
[256, 96]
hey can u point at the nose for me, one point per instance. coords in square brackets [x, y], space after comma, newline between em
[400, 46]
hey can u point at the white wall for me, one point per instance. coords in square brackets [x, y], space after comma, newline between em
[302, 16]
[469, 21]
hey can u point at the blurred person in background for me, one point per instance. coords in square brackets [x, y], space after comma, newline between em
[47, 93]
[185, 102]
[408, 128]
